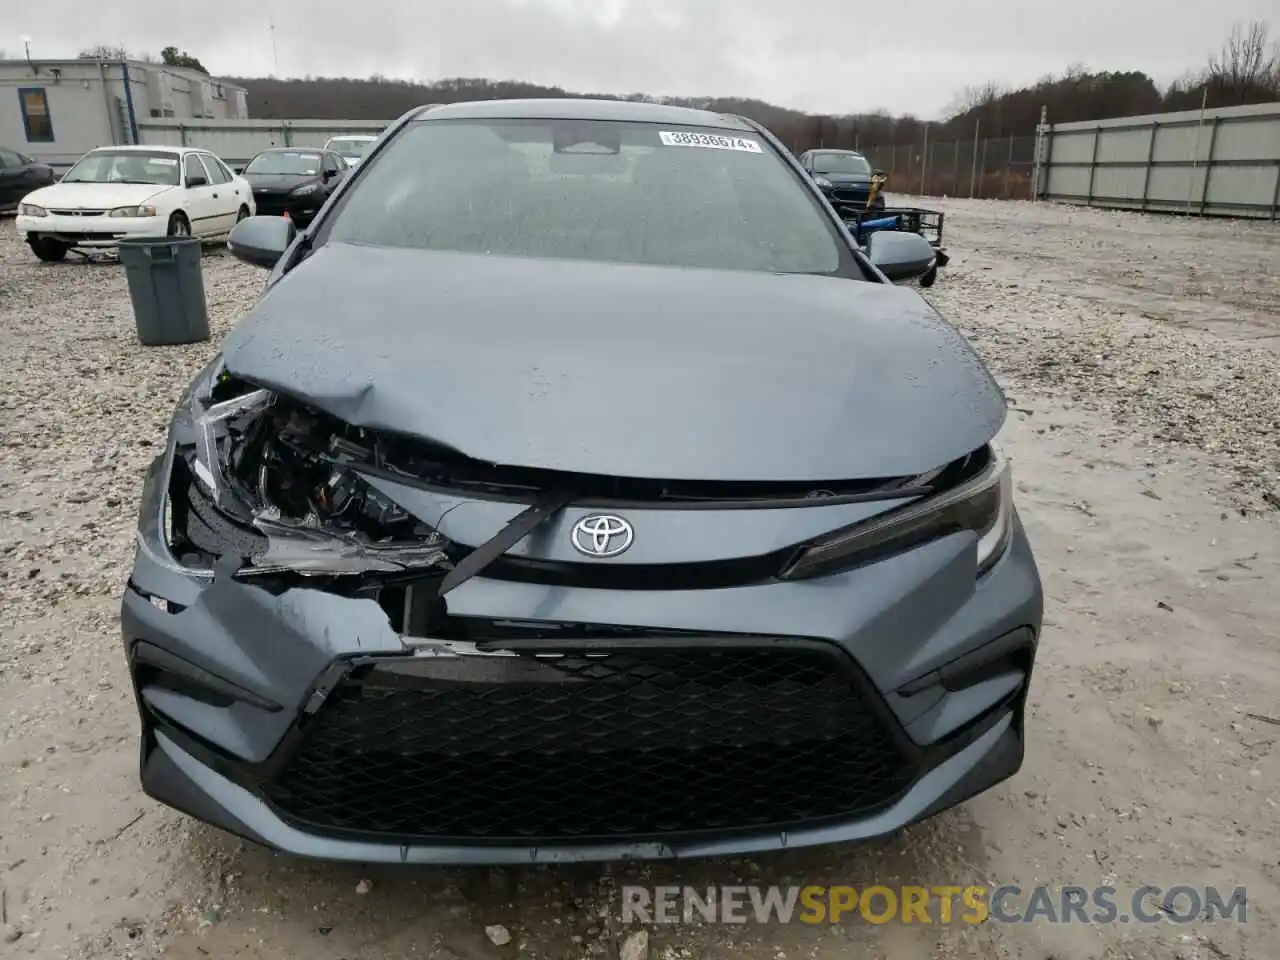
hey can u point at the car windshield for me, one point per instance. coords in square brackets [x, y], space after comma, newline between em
[841, 163]
[301, 164]
[590, 190]
[126, 166]
[350, 148]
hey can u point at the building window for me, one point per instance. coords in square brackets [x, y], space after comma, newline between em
[35, 114]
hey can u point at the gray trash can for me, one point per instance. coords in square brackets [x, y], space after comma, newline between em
[166, 286]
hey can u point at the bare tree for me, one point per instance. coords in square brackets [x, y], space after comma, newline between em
[1245, 70]
[973, 98]
[105, 51]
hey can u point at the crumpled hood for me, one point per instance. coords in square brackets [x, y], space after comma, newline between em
[94, 196]
[623, 370]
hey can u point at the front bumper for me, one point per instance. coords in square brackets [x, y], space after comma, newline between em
[719, 722]
[300, 208]
[91, 231]
[848, 199]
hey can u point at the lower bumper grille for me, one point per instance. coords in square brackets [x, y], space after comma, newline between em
[74, 237]
[634, 743]
[277, 205]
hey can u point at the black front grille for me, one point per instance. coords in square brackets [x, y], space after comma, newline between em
[269, 205]
[85, 237]
[858, 196]
[639, 742]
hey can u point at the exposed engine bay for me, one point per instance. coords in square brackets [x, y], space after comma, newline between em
[270, 483]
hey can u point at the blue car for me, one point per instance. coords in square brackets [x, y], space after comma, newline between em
[578, 489]
[845, 177]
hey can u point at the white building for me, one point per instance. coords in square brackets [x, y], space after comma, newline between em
[55, 110]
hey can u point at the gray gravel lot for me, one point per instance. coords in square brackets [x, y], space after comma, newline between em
[1141, 357]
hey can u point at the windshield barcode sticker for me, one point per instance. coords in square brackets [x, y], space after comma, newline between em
[712, 141]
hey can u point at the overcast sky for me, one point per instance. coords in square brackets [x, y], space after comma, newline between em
[829, 56]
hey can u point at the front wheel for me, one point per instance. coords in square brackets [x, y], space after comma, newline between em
[47, 249]
[179, 226]
[242, 213]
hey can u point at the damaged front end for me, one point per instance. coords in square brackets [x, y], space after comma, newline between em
[260, 484]
[818, 661]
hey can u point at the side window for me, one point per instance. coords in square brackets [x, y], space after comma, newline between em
[216, 173]
[194, 168]
[332, 163]
[36, 121]
[226, 171]
[9, 159]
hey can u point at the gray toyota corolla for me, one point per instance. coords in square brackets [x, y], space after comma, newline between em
[577, 489]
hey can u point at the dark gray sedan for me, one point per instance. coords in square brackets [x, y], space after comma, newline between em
[578, 491]
[20, 175]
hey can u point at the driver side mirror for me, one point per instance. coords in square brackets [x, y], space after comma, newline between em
[197, 181]
[261, 241]
[900, 256]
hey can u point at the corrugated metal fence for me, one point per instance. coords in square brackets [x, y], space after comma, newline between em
[1214, 162]
[1224, 161]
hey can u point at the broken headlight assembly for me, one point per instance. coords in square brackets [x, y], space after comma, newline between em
[981, 503]
[268, 485]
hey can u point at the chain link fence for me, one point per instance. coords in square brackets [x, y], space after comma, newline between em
[992, 168]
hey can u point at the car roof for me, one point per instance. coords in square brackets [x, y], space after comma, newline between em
[849, 153]
[291, 150]
[149, 148]
[573, 108]
[352, 136]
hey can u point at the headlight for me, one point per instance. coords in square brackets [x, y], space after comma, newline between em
[275, 487]
[983, 504]
[133, 212]
[822, 182]
[31, 210]
[304, 190]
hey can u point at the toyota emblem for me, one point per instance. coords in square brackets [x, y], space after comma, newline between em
[602, 535]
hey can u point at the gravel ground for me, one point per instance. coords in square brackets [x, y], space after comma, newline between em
[1146, 437]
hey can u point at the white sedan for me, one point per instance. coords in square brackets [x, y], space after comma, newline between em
[134, 191]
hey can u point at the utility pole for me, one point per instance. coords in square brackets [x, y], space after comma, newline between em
[924, 158]
[973, 168]
[275, 54]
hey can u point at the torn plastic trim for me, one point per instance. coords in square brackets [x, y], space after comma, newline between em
[316, 552]
[296, 549]
[209, 432]
[210, 428]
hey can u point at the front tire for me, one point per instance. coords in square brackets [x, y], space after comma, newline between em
[179, 226]
[48, 250]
